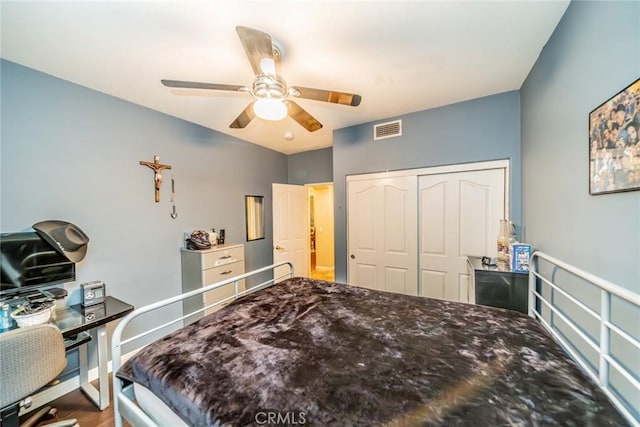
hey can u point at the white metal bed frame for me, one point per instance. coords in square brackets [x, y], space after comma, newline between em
[607, 289]
[124, 405]
[123, 397]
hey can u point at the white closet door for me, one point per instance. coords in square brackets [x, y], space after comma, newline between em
[382, 234]
[459, 216]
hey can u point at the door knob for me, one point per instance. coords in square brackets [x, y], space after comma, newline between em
[353, 256]
[279, 248]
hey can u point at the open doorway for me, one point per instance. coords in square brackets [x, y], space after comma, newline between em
[321, 243]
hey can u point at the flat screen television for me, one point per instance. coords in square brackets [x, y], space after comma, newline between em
[28, 262]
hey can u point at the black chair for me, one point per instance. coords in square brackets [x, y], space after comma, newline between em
[30, 358]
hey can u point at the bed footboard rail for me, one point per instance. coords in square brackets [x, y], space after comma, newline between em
[123, 398]
[547, 310]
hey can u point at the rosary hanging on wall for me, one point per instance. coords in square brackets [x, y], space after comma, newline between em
[157, 168]
[174, 214]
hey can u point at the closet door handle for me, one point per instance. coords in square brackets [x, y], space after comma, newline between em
[279, 248]
[353, 256]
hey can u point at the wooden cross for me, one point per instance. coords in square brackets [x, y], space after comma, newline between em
[157, 168]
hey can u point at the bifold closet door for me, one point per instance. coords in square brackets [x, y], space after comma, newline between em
[382, 234]
[459, 216]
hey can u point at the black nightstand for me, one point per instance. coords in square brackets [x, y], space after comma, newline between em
[498, 287]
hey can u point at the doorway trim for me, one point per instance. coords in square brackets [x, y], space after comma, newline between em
[331, 210]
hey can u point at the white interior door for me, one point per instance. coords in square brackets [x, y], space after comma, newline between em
[290, 228]
[382, 237]
[459, 216]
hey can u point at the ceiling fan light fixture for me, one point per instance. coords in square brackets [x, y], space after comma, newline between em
[270, 109]
[269, 90]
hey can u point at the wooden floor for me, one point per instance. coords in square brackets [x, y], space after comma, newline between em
[77, 405]
[322, 275]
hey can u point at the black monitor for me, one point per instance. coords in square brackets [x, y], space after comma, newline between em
[28, 262]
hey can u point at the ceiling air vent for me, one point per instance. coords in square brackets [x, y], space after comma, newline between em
[387, 130]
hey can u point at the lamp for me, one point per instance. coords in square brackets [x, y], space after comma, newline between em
[270, 109]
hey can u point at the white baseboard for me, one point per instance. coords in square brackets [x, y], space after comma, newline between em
[48, 394]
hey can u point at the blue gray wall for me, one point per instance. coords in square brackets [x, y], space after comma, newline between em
[583, 64]
[310, 167]
[73, 154]
[478, 130]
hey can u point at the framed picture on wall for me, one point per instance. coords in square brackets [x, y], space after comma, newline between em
[254, 209]
[614, 147]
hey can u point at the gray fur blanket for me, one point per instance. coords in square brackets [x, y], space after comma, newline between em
[319, 353]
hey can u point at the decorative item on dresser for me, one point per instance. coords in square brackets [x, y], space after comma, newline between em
[208, 266]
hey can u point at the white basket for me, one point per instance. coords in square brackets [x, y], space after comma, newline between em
[32, 319]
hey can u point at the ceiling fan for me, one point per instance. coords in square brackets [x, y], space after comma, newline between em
[270, 92]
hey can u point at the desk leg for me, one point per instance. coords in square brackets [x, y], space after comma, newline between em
[100, 396]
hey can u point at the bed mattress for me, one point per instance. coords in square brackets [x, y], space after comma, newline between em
[331, 354]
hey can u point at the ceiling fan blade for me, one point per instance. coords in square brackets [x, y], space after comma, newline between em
[343, 98]
[209, 86]
[259, 49]
[305, 119]
[244, 118]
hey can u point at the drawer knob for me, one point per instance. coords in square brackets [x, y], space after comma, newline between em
[224, 273]
[225, 257]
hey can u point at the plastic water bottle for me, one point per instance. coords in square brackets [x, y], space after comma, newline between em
[5, 318]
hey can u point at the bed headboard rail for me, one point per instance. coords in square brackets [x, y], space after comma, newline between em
[118, 341]
[546, 309]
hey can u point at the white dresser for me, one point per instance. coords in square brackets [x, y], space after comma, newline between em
[205, 267]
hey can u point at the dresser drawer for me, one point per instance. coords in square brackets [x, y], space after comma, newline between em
[222, 256]
[223, 272]
[218, 274]
[202, 268]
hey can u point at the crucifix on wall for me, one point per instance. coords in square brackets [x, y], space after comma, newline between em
[157, 169]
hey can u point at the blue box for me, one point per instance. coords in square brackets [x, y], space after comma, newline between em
[519, 254]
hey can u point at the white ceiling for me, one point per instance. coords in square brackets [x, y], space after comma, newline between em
[400, 56]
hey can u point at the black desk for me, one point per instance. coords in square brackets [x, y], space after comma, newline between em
[75, 319]
[76, 322]
[82, 325]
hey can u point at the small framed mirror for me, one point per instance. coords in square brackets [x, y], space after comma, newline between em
[254, 208]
